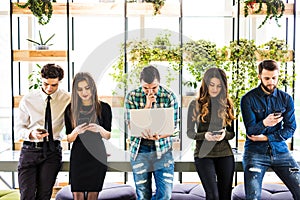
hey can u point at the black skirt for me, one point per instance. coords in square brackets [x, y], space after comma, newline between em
[88, 163]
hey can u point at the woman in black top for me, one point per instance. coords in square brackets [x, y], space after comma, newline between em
[212, 114]
[87, 120]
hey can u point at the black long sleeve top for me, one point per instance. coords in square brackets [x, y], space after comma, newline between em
[196, 130]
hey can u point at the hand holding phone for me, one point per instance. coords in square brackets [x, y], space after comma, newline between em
[217, 132]
[42, 130]
[83, 120]
[277, 114]
[38, 133]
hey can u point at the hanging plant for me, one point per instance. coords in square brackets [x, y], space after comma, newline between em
[274, 49]
[278, 50]
[157, 4]
[243, 67]
[275, 9]
[140, 54]
[42, 9]
[199, 55]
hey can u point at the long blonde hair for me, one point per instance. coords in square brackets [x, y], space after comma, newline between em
[203, 101]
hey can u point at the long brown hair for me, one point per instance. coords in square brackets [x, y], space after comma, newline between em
[76, 102]
[225, 111]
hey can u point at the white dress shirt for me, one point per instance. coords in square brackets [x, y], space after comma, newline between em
[32, 113]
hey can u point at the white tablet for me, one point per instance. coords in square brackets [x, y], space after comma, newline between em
[158, 120]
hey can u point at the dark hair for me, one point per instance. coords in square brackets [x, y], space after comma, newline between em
[149, 74]
[269, 65]
[52, 71]
[214, 73]
[76, 103]
[225, 111]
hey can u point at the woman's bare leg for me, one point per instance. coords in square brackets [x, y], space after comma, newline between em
[92, 195]
[78, 195]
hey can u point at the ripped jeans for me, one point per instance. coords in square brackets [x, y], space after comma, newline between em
[255, 166]
[162, 169]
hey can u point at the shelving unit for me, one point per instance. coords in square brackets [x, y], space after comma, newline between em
[72, 11]
[39, 55]
[107, 9]
[126, 11]
[289, 9]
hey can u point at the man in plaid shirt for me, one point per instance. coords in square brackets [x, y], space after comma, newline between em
[152, 153]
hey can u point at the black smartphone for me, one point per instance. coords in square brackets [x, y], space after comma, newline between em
[217, 132]
[83, 120]
[42, 130]
[277, 114]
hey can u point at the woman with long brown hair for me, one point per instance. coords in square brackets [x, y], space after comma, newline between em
[87, 120]
[212, 115]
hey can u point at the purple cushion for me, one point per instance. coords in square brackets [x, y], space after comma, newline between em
[188, 191]
[110, 191]
[269, 192]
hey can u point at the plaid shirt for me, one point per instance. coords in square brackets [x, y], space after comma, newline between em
[136, 99]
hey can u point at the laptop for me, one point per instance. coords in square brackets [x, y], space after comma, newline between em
[158, 120]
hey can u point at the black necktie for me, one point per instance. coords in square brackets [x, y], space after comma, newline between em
[48, 125]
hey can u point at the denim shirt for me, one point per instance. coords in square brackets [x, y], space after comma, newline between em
[256, 105]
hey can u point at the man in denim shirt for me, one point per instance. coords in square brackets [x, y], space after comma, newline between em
[269, 118]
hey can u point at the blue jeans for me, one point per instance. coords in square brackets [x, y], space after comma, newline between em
[255, 166]
[147, 164]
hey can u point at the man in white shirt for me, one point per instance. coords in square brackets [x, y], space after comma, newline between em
[39, 164]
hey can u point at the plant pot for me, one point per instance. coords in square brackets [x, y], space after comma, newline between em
[190, 93]
[42, 47]
[160, 46]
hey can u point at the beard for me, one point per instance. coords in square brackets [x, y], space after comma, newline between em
[268, 89]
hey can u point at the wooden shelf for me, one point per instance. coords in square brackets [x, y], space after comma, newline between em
[289, 9]
[169, 9]
[39, 55]
[289, 56]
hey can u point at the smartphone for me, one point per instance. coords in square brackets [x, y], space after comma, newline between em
[217, 132]
[277, 114]
[83, 120]
[42, 130]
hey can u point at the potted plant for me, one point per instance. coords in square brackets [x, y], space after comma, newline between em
[34, 78]
[192, 86]
[42, 9]
[275, 9]
[42, 44]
